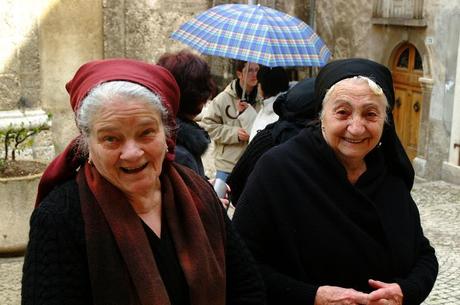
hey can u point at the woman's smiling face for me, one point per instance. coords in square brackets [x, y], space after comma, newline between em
[127, 145]
[352, 119]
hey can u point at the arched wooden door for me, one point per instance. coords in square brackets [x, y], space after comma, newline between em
[407, 68]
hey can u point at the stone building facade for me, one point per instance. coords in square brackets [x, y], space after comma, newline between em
[45, 41]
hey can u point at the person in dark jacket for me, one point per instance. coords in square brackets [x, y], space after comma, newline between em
[328, 214]
[196, 85]
[295, 108]
[117, 220]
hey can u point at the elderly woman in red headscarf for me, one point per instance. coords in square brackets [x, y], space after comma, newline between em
[117, 221]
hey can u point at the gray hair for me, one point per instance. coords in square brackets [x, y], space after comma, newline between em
[373, 86]
[109, 91]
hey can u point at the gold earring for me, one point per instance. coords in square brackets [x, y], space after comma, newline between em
[90, 162]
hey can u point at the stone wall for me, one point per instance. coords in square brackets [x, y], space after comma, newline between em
[19, 56]
[45, 41]
[70, 34]
[20, 70]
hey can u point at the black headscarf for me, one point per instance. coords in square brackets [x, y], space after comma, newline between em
[295, 109]
[335, 71]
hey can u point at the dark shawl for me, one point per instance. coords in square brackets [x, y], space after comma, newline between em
[307, 226]
[121, 264]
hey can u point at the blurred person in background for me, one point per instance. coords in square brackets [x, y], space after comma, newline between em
[196, 85]
[272, 83]
[229, 117]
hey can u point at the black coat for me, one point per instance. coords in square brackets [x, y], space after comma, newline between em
[308, 226]
[192, 141]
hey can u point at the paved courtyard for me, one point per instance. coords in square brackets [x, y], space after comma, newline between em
[439, 204]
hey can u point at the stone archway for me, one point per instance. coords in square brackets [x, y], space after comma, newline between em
[407, 68]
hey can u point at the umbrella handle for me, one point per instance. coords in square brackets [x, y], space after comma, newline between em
[228, 113]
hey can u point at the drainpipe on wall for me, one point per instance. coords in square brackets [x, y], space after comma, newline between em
[312, 24]
[312, 15]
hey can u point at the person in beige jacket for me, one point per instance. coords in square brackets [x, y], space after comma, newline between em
[228, 118]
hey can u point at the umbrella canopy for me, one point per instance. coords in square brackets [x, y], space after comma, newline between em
[254, 33]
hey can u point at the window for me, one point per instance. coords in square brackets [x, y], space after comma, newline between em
[418, 61]
[398, 12]
[408, 60]
[403, 61]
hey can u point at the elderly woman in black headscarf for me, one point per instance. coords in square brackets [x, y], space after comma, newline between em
[328, 214]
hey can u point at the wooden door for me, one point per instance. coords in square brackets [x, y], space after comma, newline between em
[406, 69]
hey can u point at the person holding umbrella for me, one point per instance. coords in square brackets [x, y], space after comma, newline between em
[254, 34]
[229, 117]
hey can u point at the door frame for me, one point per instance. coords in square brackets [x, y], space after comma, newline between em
[411, 80]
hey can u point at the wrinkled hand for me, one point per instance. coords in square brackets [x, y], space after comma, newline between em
[243, 135]
[332, 295]
[385, 293]
[225, 203]
[241, 106]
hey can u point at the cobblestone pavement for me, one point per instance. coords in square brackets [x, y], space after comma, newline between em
[439, 204]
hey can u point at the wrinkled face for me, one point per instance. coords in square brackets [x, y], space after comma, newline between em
[352, 119]
[127, 145]
[251, 81]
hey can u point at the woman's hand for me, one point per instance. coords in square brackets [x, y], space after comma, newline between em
[332, 295]
[243, 135]
[241, 106]
[385, 293]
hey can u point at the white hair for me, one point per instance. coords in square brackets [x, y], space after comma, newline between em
[104, 93]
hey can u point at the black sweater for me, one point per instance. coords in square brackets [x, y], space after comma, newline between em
[308, 226]
[55, 268]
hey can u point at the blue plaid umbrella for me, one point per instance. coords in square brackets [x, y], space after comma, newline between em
[254, 33]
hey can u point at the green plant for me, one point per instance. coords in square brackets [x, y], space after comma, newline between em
[15, 138]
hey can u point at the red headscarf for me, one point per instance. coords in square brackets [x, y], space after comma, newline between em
[153, 77]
